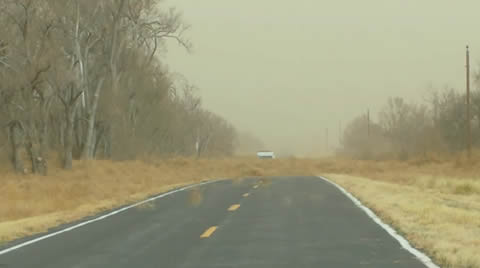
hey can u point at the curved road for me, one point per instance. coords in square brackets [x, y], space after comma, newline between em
[280, 222]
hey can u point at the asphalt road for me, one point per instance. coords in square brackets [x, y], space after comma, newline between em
[280, 222]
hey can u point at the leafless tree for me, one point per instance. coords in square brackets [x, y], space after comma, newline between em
[82, 77]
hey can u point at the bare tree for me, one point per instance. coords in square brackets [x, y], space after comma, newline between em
[87, 82]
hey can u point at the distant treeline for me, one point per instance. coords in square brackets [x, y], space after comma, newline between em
[405, 129]
[82, 78]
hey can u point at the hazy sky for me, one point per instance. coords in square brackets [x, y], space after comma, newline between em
[287, 70]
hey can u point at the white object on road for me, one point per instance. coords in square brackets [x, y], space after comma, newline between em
[265, 154]
[403, 242]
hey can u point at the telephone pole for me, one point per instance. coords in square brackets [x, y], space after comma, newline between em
[340, 132]
[368, 123]
[326, 140]
[469, 127]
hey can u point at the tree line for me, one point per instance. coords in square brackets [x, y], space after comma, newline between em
[83, 78]
[405, 129]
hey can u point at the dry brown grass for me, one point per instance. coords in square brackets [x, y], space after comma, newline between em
[434, 201]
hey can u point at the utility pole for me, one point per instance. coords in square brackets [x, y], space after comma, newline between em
[469, 127]
[340, 132]
[326, 140]
[368, 123]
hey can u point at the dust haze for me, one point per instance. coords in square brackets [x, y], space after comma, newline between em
[285, 71]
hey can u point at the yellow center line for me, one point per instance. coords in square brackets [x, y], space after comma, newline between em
[255, 187]
[233, 207]
[209, 232]
[245, 194]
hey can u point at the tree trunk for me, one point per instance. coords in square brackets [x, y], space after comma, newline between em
[89, 144]
[44, 146]
[44, 141]
[67, 154]
[78, 137]
[61, 128]
[98, 139]
[16, 138]
[33, 153]
[107, 141]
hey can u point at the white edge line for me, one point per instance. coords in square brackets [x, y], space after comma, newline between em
[101, 217]
[403, 242]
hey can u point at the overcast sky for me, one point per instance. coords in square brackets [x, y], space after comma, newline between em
[287, 70]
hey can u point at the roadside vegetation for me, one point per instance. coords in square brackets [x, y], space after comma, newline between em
[403, 130]
[84, 79]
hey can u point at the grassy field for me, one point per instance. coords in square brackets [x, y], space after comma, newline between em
[434, 202]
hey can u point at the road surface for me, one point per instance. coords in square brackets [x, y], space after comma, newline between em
[279, 222]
